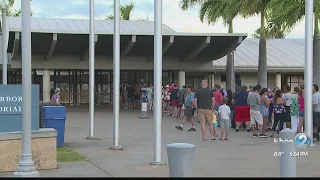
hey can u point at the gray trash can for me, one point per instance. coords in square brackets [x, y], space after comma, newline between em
[180, 159]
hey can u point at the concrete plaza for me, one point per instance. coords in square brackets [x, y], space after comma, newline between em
[241, 156]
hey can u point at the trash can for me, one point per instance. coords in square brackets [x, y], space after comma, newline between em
[180, 159]
[55, 117]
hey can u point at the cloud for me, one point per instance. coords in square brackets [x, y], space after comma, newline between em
[173, 16]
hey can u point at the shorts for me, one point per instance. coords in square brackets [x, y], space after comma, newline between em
[216, 107]
[180, 103]
[256, 116]
[205, 115]
[225, 123]
[301, 113]
[193, 110]
[131, 99]
[188, 112]
[242, 114]
[175, 103]
[287, 114]
[316, 119]
[215, 125]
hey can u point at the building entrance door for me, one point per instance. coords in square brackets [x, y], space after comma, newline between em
[103, 87]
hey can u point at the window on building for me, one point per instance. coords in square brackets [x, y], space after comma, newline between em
[167, 77]
[223, 78]
[293, 81]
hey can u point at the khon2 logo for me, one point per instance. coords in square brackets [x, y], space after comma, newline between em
[302, 141]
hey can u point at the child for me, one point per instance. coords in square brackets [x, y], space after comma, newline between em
[215, 124]
[225, 120]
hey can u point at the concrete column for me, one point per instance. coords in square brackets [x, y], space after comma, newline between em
[46, 85]
[230, 75]
[212, 81]
[182, 78]
[278, 81]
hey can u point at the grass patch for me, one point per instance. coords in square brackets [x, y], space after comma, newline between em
[64, 154]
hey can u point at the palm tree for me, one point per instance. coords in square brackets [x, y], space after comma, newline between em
[125, 12]
[290, 12]
[212, 11]
[7, 4]
[272, 31]
[250, 8]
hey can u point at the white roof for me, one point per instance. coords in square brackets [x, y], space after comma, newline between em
[281, 53]
[76, 26]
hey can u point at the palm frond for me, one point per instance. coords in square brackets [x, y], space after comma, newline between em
[212, 10]
[125, 11]
[186, 4]
[110, 17]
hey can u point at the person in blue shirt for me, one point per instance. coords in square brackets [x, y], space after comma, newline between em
[188, 111]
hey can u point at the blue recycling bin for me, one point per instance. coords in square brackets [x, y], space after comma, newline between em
[55, 117]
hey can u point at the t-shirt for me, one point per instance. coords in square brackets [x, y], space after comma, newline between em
[149, 93]
[131, 91]
[189, 99]
[55, 97]
[174, 95]
[218, 98]
[316, 101]
[253, 101]
[287, 97]
[224, 111]
[241, 98]
[204, 98]
[181, 94]
[301, 103]
[294, 107]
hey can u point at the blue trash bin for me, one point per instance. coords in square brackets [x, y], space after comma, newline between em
[55, 117]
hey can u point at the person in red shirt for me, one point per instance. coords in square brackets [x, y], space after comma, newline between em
[171, 88]
[218, 99]
[170, 107]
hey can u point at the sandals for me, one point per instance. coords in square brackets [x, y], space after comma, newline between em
[204, 139]
[224, 139]
[213, 139]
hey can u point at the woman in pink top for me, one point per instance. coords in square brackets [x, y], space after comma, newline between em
[301, 110]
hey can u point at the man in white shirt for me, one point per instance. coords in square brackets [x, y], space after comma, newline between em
[287, 95]
[316, 110]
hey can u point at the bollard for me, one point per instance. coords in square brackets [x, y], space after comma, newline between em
[180, 159]
[288, 164]
[144, 104]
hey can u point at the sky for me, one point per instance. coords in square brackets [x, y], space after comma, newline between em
[173, 16]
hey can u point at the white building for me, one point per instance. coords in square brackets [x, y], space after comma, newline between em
[60, 57]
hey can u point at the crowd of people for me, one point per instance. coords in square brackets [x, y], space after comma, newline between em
[251, 109]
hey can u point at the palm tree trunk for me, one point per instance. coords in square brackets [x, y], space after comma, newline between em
[230, 76]
[262, 64]
[316, 51]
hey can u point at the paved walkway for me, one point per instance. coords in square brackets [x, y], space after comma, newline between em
[241, 156]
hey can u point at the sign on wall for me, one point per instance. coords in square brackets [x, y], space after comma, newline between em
[11, 108]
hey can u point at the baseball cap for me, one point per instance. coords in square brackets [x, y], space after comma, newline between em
[269, 90]
[167, 86]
